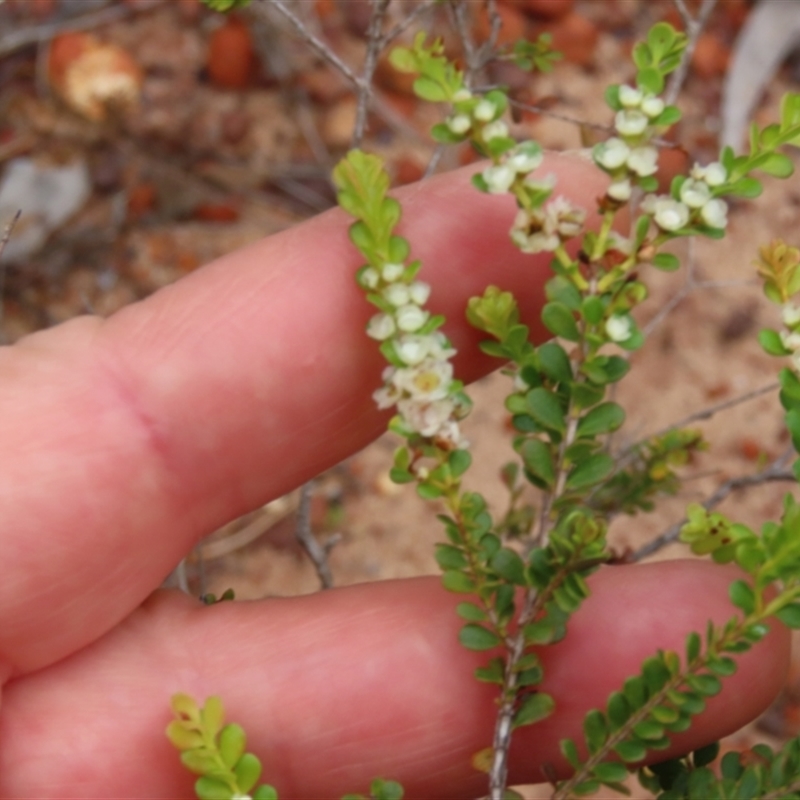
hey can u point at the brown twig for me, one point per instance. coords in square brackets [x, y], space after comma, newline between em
[408, 21]
[776, 471]
[375, 44]
[318, 553]
[694, 27]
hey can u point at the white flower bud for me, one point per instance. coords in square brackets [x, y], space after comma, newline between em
[419, 292]
[525, 160]
[380, 327]
[461, 95]
[790, 340]
[631, 122]
[652, 106]
[630, 97]
[715, 213]
[411, 318]
[791, 315]
[485, 110]
[370, 278]
[397, 294]
[391, 272]
[670, 215]
[494, 130]
[459, 124]
[611, 154]
[618, 328]
[499, 179]
[620, 190]
[643, 160]
[695, 193]
[715, 174]
[412, 349]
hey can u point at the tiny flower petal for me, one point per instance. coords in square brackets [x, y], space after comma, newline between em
[670, 215]
[631, 122]
[715, 213]
[459, 124]
[525, 159]
[611, 154]
[370, 278]
[791, 315]
[391, 272]
[419, 292]
[494, 130]
[652, 106]
[499, 179]
[620, 190]
[643, 160]
[695, 193]
[630, 97]
[618, 328]
[411, 318]
[485, 110]
[397, 294]
[380, 327]
[412, 349]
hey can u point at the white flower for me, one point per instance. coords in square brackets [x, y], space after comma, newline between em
[620, 190]
[370, 278]
[459, 124]
[715, 213]
[397, 294]
[544, 184]
[563, 218]
[790, 314]
[461, 95]
[494, 130]
[380, 327]
[528, 232]
[426, 419]
[616, 241]
[695, 193]
[630, 97]
[611, 154]
[643, 160]
[525, 159]
[499, 179]
[391, 271]
[796, 360]
[652, 106]
[419, 292]
[386, 396]
[714, 174]
[439, 347]
[429, 380]
[412, 349]
[791, 341]
[485, 110]
[631, 122]
[669, 214]
[411, 318]
[618, 328]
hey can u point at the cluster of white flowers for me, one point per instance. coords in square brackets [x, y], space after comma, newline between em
[544, 228]
[421, 388]
[630, 153]
[696, 204]
[481, 116]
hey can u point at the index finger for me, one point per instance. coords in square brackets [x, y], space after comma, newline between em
[136, 436]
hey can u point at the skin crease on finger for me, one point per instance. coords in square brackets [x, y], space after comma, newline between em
[334, 689]
[136, 436]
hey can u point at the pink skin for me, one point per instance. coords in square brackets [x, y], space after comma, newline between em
[134, 437]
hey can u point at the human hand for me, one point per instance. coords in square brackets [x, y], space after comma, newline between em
[128, 440]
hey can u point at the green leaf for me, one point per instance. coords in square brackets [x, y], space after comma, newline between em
[619, 710]
[650, 80]
[631, 751]
[706, 685]
[471, 612]
[595, 730]
[745, 187]
[539, 460]
[604, 418]
[655, 674]
[570, 752]
[789, 615]
[182, 737]
[385, 790]
[534, 708]
[590, 472]
[771, 343]
[449, 556]
[778, 165]
[704, 756]
[742, 596]
[648, 730]
[199, 761]
[593, 309]
[247, 771]
[558, 319]
[455, 581]
[666, 262]
[610, 772]
[509, 566]
[545, 407]
[265, 793]
[560, 290]
[232, 742]
[555, 362]
[693, 647]
[539, 632]
[476, 637]
[459, 462]
[493, 672]
[430, 90]
[212, 789]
